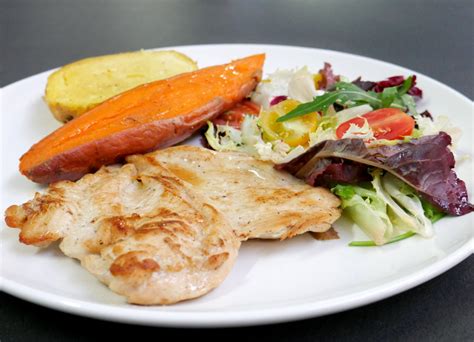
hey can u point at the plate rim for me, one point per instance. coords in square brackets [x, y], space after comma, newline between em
[240, 318]
[244, 317]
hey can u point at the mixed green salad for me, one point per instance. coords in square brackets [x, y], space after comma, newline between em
[391, 166]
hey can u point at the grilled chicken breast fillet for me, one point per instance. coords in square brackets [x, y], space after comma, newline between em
[259, 201]
[137, 228]
[167, 226]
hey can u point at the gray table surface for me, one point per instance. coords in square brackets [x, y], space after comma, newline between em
[432, 37]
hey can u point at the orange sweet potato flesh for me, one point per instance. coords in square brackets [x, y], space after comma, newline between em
[151, 116]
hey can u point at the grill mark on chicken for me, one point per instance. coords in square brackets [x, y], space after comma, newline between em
[127, 264]
[216, 260]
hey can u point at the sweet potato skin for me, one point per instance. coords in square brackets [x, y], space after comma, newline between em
[87, 158]
[73, 163]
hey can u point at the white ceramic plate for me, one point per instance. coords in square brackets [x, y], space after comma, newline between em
[272, 281]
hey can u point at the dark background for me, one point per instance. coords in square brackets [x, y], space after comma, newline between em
[432, 37]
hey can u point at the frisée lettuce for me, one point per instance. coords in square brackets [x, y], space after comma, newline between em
[249, 140]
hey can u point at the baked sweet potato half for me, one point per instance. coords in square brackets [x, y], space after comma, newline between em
[145, 118]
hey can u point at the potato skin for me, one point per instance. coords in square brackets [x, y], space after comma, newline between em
[64, 113]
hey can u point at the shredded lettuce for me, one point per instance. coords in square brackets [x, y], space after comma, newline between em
[407, 206]
[352, 112]
[249, 140]
[367, 210]
[223, 137]
[297, 84]
[275, 85]
[326, 129]
[386, 209]
[428, 126]
[227, 138]
[301, 86]
[356, 132]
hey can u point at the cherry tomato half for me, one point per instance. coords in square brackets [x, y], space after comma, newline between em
[386, 123]
[234, 116]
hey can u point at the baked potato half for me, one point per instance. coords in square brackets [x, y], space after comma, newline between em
[78, 87]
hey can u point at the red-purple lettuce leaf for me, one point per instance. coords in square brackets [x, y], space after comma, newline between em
[389, 82]
[427, 114]
[330, 171]
[393, 81]
[328, 77]
[397, 81]
[277, 99]
[366, 85]
[426, 164]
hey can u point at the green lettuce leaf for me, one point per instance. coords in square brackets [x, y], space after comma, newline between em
[431, 212]
[387, 210]
[367, 210]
